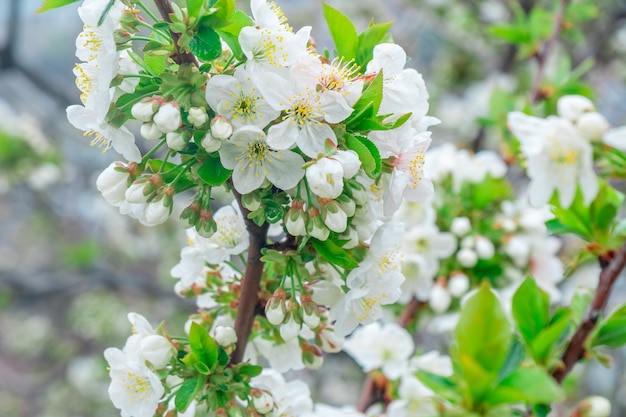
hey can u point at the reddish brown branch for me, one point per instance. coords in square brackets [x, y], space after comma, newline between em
[372, 390]
[575, 349]
[543, 56]
[250, 282]
[165, 9]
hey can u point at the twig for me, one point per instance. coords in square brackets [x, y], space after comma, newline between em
[165, 9]
[250, 282]
[544, 55]
[575, 349]
[371, 391]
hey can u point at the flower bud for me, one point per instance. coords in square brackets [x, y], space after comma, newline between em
[325, 178]
[221, 128]
[467, 258]
[347, 204]
[468, 242]
[206, 225]
[461, 226]
[310, 313]
[262, 401]
[350, 161]
[484, 248]
[275, 309]
[113, 182]
[197, 116]
[316, 226]
[157, 212]
[295, 219]
[290, 328]
[458, 284]
[191, 214]
[167, 118]
[150, 131]
[312, 356]
[145, 109]
[592, 126]
[329, 341]
[518, 249]
[175, 141]
[351, 236]
[594, 406]
[210, 143]
[157, 350]
[571, 107]
[334, 217]
[139, 192]
[225, 335]
[439, 299]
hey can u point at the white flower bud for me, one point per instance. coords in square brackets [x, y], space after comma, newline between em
[508, 225]
[112, 183]
[350, 161]
[329, 342]
[197, 116]
[571, 107]
[334, 218]
[484, 248]
[592, 126]
[156, 213]
[468, 242]
[460, 226]
[595, 406]
[175, 141]
[295, 224]
[225, 335]
[221, 128]
[325, 178]
[458, 284]
[275, 309]
[320, 232]
[145, 109]
[439, 299]
[150, 131]
[167, 118]
[290, 329]
[467, 258]
[211, 144]
[157, 350]
[352, 237]
[347, 204]
[518, 249]
[262, 401]
[135, 193]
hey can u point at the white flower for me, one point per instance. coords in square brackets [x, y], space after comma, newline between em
[386, 346]
[145, 345]
[238, 99]
[325, 178]
[167, 118]
[592, 126]
[616, 138]
[105, 135]
[484, 248]
[458, 284]
[134, 389]
[467, 258]
[252, 160]
[262, 401]
[460, 226]
[558, 158]
[113, 182]
[231, 236]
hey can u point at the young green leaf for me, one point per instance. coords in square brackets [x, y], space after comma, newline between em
[368, 153]
[368, 104]
[342, 31]
[368, 39]
[611, 331]
[334, 253]
[531, 309]
[206, 44]
[529, 385]
[213, 172]
[187, 392]
[545, 342]
[202, 345]
[53, 4]
[194, 7]
[441, 385]
[230, 33]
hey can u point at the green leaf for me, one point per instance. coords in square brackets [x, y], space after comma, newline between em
[368, 104]
[157, 63]
[515, 357]
[604, 208]
[213, 172]
[225, 9]
[202, 345]
[574, 218]
[368, 154]
[529, 385]
[250, 370]
[368, 39]
[230, 33]
[581, 300]
[611, 331]
[222, 357]
[342, 31]
[543, 344]
[53, 4]
[206, 44]
[193, 7]
[490, 190]
[273, 211]
[334, 253]
[441, 385]
[483, 338]
[187, 392]
[541, 23]
[511, 33]
[531, 309]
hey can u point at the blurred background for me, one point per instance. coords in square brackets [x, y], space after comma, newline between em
[71, 267]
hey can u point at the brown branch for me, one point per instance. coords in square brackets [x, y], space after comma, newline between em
[165, 9]
[575, 349]
[250, 282]
[372, 390]
[544, 55]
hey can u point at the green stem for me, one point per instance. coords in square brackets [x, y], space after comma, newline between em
[151, 152]
[148, 11]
